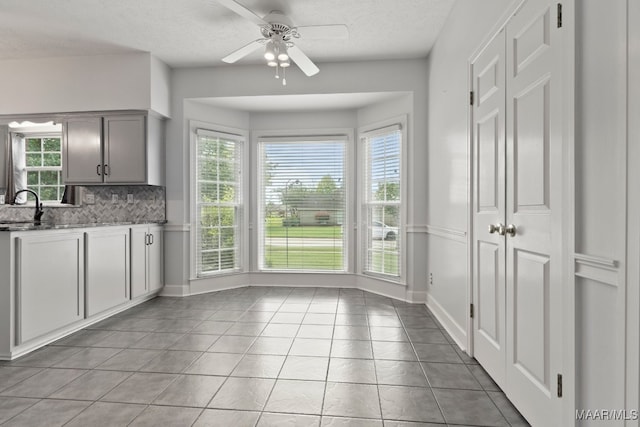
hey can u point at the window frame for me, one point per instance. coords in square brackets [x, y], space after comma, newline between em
[332, 134]
[241, 136]
[363, 205]
[43, 135]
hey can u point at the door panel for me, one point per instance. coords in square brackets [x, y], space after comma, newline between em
[489, 292]
[489, 204]
[488, 162]
[533, 174]
[155, 259]
[139, 269]
[49, 283]
[108, 274]
[531, 302]
[531, 40]
[531, 147]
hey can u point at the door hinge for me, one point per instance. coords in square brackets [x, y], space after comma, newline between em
[471, 98]
[559, 21]
[471, 310]
[559, 385]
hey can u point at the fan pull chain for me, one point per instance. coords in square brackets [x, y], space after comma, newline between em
[277, 75]
[284, 76]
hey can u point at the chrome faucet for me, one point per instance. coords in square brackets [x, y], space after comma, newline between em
[39, 209]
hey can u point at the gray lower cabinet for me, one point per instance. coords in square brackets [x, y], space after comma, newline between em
[146, 259]
[55, 281]
[49, 283]
[107, 268]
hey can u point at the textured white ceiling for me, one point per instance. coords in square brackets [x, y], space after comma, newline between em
[200, 32]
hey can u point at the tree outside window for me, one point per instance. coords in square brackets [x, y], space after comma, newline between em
[44, 166]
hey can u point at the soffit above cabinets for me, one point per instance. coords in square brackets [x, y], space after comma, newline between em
[200, 32]
[301, 103]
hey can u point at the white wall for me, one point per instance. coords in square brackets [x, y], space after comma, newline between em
[447, 157]
[633, 210]
[416, 202]
[83, 83]
[604, 288]
[160, 91]
[177, 240]
[606, 237]
[378, 76]
[304, 120]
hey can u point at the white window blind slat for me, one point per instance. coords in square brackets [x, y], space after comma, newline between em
[302, 195]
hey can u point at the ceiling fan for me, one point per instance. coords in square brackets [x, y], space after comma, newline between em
[278, 35]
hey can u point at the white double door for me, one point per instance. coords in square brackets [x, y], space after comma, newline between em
[517, 235]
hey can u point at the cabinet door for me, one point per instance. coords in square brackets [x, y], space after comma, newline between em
[139, 270]
[49, 283]
[125, 149]
[107, 256]
[82, 150]
[155, 259]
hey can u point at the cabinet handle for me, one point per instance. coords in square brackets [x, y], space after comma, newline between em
[151, 236]
[98, 170]
[146, 239]
[105, 169]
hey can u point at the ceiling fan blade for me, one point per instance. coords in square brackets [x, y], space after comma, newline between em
[330, 32]
[303, 61]
[243, 51]
[242, 11]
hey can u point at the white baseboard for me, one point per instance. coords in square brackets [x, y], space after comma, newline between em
[349, 281]
[174, 291]
[457, 332]
[417, 297]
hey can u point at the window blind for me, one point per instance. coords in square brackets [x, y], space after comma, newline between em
[218, 202]
[302, 203]
[381, 207]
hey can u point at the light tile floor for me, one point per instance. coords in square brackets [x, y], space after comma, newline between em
[256, 357]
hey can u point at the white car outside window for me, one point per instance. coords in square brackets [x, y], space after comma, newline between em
[379, 231]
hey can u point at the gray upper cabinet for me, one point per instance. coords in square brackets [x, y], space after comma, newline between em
[125, 159]
[82, 141]
[113, 149]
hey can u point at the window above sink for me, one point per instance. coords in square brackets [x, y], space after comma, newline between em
[35, 156]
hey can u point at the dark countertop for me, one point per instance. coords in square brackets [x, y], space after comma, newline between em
[12, 225]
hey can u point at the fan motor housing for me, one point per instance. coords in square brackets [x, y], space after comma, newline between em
[279, 25]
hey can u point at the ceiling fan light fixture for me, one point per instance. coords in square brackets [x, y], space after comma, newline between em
[270, 51]
[285, 64]
[272, 63]
[282, 52]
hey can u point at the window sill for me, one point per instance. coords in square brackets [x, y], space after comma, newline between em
[389, 279]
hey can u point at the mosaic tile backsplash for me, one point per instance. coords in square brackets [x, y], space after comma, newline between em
[148, 205]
